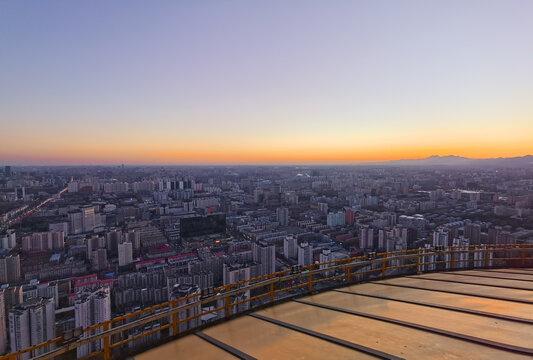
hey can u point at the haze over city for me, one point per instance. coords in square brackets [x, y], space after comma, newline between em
[263, 82]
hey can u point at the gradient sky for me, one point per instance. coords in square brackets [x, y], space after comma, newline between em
[179, 82]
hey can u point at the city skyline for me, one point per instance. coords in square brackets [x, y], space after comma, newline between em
[432, 160]
[256, 83]
[127, 247]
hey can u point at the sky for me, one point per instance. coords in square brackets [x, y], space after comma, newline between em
[266, 82]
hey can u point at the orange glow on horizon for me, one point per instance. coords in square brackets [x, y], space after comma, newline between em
[267, 147]
[258, 155]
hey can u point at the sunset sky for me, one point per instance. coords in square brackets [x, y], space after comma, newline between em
[245, 82]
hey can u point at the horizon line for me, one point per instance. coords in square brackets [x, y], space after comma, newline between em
[236, 164]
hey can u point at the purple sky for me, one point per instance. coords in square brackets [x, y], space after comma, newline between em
[209, 81]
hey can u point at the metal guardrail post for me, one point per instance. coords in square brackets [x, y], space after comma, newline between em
[106, 342]
[226, 307]
[418, 260]
[451, 259]
[424, 258]
[174, 322]
[348, 274]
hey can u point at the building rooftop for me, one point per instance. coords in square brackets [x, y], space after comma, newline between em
[474, 314]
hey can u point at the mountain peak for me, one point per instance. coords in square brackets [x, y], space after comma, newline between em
[454, 160]
[434, 157]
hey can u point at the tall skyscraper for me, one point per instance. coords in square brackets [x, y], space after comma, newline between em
[32, 323]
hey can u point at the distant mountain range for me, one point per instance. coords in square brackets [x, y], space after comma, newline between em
[452, 160]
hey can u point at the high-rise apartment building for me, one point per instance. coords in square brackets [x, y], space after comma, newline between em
[20, 193]
[91, 308]
[88, 218]
[265, 255]
[99, 259]
[75, 225]
[47, 289]
[326, 256]
[134, 237]
[440, 237]
[233, 273]
[349, 216]
[60, 226]
[3, 322]
[94, 243]
[366, 238]
[44, 241]
[473, 233]
[125, 253]
[10, 269]
[282, 216]
[305, 254]
[336, 219]
[290, 247]
[9, 240]
[185, 290]
[113, 238]
[32, 323]
[322, 207]
[73, 186]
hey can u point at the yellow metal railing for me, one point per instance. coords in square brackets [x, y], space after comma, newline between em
[117, 332]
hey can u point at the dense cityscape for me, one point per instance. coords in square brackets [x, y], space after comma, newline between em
[264, 180]
[81, 245]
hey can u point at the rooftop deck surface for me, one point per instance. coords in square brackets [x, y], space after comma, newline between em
[473, 314]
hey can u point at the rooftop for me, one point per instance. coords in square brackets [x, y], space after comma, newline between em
[444, 302]
[474, 314]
